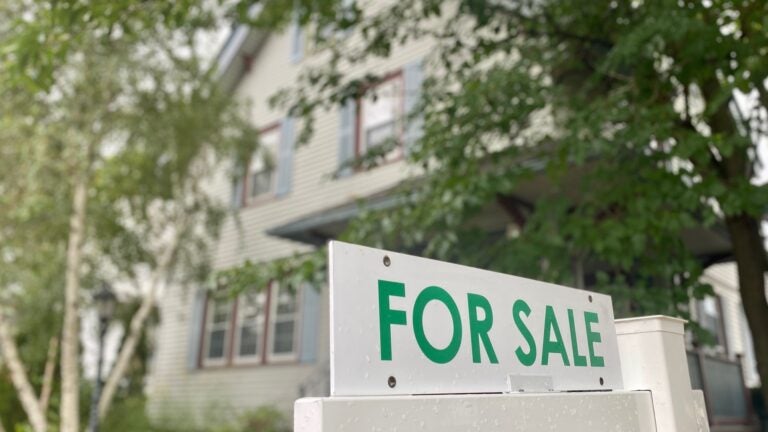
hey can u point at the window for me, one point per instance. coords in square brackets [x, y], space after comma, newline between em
[380, 117]
[283, 325]
[260, 176]
[216, 331]
[256, 328]
[251, 315]
[346, 15]
[710, 318]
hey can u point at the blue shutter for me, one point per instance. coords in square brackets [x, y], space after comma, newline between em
[347, 136]
[196, 329]
[412, 77]
[297, 42]
[285, 157]
[237, 192]
[310, 323]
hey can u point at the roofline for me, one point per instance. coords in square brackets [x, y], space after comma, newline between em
[242, 39]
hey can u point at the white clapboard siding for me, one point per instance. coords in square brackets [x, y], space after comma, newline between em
[178, 391]
[724, 280]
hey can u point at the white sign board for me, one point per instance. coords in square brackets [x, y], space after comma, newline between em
[407, 325]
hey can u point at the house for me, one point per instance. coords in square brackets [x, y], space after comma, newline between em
[725, 368]
[723, 316]
[222, 356]
[218, 357]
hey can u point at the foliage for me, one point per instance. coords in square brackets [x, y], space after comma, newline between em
[128, 415]
[588, 143]
[265, 419]
[107, 92]
[291, 271]
[620, 112]
[49, 33]
[10, 409]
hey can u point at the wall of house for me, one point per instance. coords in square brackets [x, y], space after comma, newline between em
[724, 281]
[176, 388]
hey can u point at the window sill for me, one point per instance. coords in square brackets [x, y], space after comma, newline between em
[250, 365]
[260, 200]
[399, 158]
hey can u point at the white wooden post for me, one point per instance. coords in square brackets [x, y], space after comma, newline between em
[526, 412]
[652, 351]
[657, 397]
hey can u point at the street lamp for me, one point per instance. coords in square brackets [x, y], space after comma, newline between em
[105, 306]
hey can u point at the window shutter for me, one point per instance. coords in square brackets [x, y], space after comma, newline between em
[285, 157]
[196, 329]
[297, 42]
[237, 192]
[310, 323]
[347, 136]
[412, 77]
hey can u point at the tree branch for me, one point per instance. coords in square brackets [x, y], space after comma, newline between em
[50, 368]
[20, 379]
[136, 328]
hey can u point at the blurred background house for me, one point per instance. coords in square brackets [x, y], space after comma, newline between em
[271, 348]
[216, 356]
[726, 370]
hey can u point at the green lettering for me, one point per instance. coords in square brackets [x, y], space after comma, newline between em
[529, 358]
[549, 346]
[478, 330]
[436, 355]
[578, 360]
[387, 316]
[592, 338]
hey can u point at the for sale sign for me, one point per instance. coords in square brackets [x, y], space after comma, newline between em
[407, 325]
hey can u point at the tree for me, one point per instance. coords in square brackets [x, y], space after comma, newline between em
[625, 112]
[125, 122]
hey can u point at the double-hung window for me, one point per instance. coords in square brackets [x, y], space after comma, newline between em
[216, 344]
[256, 328]
[251, 318]
[260, 175]
[710, 318]
[380, 120]
[283, 325]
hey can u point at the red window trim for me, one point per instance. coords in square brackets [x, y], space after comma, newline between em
[229, 360]
[267, 197]
[359, 115]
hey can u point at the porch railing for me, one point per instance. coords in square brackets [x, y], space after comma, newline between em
[721, 380]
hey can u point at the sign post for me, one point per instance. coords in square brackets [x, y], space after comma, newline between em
[419, 344]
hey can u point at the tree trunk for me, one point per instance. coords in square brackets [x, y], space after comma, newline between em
[20, 380]
[70, 344]
[50, 368]
[750, 257]
[126, 354]
[135, 330]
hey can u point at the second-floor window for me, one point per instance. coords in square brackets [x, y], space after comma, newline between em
[269, 171]
[380, 119]
[260, 175]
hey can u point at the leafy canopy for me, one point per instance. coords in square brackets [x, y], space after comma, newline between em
[619, 114]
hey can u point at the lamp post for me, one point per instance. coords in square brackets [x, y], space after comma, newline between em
[105, 306]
